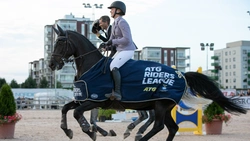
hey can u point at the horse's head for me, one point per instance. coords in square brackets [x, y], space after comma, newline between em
[62, 50]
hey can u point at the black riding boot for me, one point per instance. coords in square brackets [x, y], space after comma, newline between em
[117, 80]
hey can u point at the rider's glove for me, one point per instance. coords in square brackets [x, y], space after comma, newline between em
[109, 43]
[102, 46]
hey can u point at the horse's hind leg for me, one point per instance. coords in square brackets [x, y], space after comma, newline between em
[65, 109]
[142, 116]
[160, 110]
[171, 125]
[146, 125]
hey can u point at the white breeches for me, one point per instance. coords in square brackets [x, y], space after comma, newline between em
[120, 58]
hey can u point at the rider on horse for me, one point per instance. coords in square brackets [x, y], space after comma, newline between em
[120, 37]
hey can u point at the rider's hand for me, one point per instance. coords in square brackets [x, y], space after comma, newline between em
[97, 33]
[102, 45]
[109, 43]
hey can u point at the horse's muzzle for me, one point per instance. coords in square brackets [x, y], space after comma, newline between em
[54, 65]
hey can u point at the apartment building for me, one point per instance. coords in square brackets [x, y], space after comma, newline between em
[234, 65]
[178, 56]
[39, 69]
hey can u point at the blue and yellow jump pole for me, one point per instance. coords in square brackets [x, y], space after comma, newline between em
[194, 117]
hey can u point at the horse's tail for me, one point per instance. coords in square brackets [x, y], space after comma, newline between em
[206, 88]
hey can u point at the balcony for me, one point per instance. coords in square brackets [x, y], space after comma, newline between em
[215, 57]
[215, 71]
[216, 78]
[214, 64]
[181, 57]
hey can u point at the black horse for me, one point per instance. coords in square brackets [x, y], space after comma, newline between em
[169, 84]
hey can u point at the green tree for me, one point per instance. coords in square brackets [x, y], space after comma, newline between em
[59, 84]
[44, 83]
[7, 101]
[13, 84]
[29, 83]
[2, 81]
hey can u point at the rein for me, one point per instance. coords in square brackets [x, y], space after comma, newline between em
[81, 56]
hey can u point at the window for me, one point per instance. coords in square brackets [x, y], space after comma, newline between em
[244, 51]
[154, 54]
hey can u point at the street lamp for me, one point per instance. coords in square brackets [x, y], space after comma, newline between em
[211, 47]
[87, 5]
[249, 14]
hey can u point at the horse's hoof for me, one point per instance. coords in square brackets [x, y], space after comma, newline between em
[112, 133]
[93, 136]
[125, 135]
[69, 133]
[101, 131]
[104, 133]
[138, 137]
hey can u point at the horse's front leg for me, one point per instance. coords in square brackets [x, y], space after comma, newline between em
[142, 116]
[79, 116]
[65, 109]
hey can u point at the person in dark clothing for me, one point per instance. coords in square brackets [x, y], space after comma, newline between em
[103, 24]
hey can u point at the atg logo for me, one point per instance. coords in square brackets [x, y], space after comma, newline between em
[77, 91]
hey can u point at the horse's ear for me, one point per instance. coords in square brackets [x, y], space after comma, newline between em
[57, 32]
[61, 30]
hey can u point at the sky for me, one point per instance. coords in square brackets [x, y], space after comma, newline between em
[161, 23]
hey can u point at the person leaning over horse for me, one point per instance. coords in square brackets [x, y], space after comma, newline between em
[121, 38]
[103, 24]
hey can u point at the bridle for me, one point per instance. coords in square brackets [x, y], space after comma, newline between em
[70, 59]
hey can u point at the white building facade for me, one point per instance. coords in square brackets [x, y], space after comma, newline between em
[235, 65]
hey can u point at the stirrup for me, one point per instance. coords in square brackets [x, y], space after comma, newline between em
[113, 96]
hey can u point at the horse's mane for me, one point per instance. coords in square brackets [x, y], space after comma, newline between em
[80, 39]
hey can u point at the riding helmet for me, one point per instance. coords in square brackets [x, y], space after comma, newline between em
[120, 5]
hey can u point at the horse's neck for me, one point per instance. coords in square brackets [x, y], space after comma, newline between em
[87, 55]
[85, 63]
